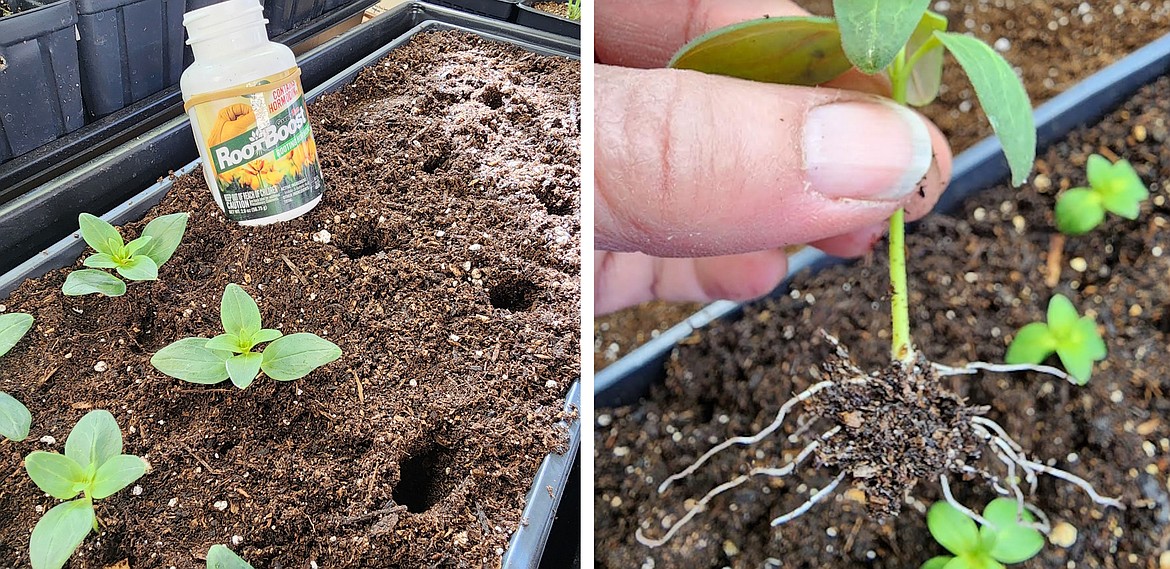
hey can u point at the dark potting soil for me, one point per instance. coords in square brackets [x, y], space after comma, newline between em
[1053, 43]
[555, 8]
[443, 260]
[974, 281]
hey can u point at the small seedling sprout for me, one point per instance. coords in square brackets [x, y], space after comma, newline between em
[93, 465]
[574, 10]
[220, 557]
[15, 419]
[138, 260]
[1007, 535]
[230, 356]
[1114, 188]
[1072, 337]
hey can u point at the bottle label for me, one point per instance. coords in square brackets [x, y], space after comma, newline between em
[258, 146]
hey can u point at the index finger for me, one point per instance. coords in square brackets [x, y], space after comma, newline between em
[647, 33]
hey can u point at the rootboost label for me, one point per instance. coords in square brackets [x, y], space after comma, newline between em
[259, 147]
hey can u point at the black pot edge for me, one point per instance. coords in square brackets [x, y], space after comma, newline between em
[526, 546]
[503, 10]
[982, 166]
[526, 15]
[23, 173]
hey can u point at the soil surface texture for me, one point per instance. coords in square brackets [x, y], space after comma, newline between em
[555, 8]
[443, 260]
[1053, 43]
[974, 281]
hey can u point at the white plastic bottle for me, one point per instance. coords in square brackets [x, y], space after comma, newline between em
[243, 94]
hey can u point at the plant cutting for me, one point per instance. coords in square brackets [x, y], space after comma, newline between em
[138, 260]
[1115, 188]
[15, 419]
[220, 557]
[573, 12]
[1073, 338]
[230, 355]
[1007, 534]
[93, 465]
[876, 434]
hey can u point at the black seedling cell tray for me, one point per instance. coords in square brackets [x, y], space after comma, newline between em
[528, 16]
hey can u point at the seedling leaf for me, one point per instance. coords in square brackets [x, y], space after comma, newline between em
[1119, 186]
[265, 335]
[926, 75]
[136, 245]
[220, 557]
[59, 533]
[1078, 211]
[939, 562]
[116, 474]
[294, 356]
[1002, 97]
[1013, 543]
[166, 232]
[15, 419]
[89, 281]
[100, 261]
[100, 235]
[225, 342]
[190, 360]
[789, 50]
[1062, 315]
[874, 31]
[238, 312]
[58, 475]
[1032, 345]
[139, 268]
[952, 529]
[244, 368]
[13, 327]
[95, 439]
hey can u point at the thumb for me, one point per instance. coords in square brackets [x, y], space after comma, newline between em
[692, 165]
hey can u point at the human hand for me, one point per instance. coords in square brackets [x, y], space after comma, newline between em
[702, 180]
[232, 121]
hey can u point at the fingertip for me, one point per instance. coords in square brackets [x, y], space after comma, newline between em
[741, 277]
[937, 178]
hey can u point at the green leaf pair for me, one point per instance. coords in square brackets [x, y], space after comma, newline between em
[230, 356]
[573, 10]
[220, 557]
[899, 37]
[1072, 337]
[1006, 540]
[93, 464]
[1112, 188]
[137, 260]
[15, 420]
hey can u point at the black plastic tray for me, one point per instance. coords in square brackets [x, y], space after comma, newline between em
[23, 174]
[159, 147]
[979, 168]
[526, 15]
[40, 93]
[504, 10]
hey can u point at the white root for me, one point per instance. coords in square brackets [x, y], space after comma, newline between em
[975, 367]
[784, 409]
[808, 504]
[1002, 444]
[946, 488]
[702, 503]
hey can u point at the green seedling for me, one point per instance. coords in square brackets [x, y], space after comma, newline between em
[230, 356]
[1114, 188]
[220, 557]
[138, 260]
[1007, 536]
[1072, 337]
[93, 465]
[15, 420]
[574, 10]
[900, 39]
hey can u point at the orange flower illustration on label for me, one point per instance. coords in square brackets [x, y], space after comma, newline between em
[260, 173]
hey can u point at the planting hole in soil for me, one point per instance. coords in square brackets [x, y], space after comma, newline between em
[975, 282]
[415, 448]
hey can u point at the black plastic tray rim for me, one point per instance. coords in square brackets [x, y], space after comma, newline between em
[981, 167]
